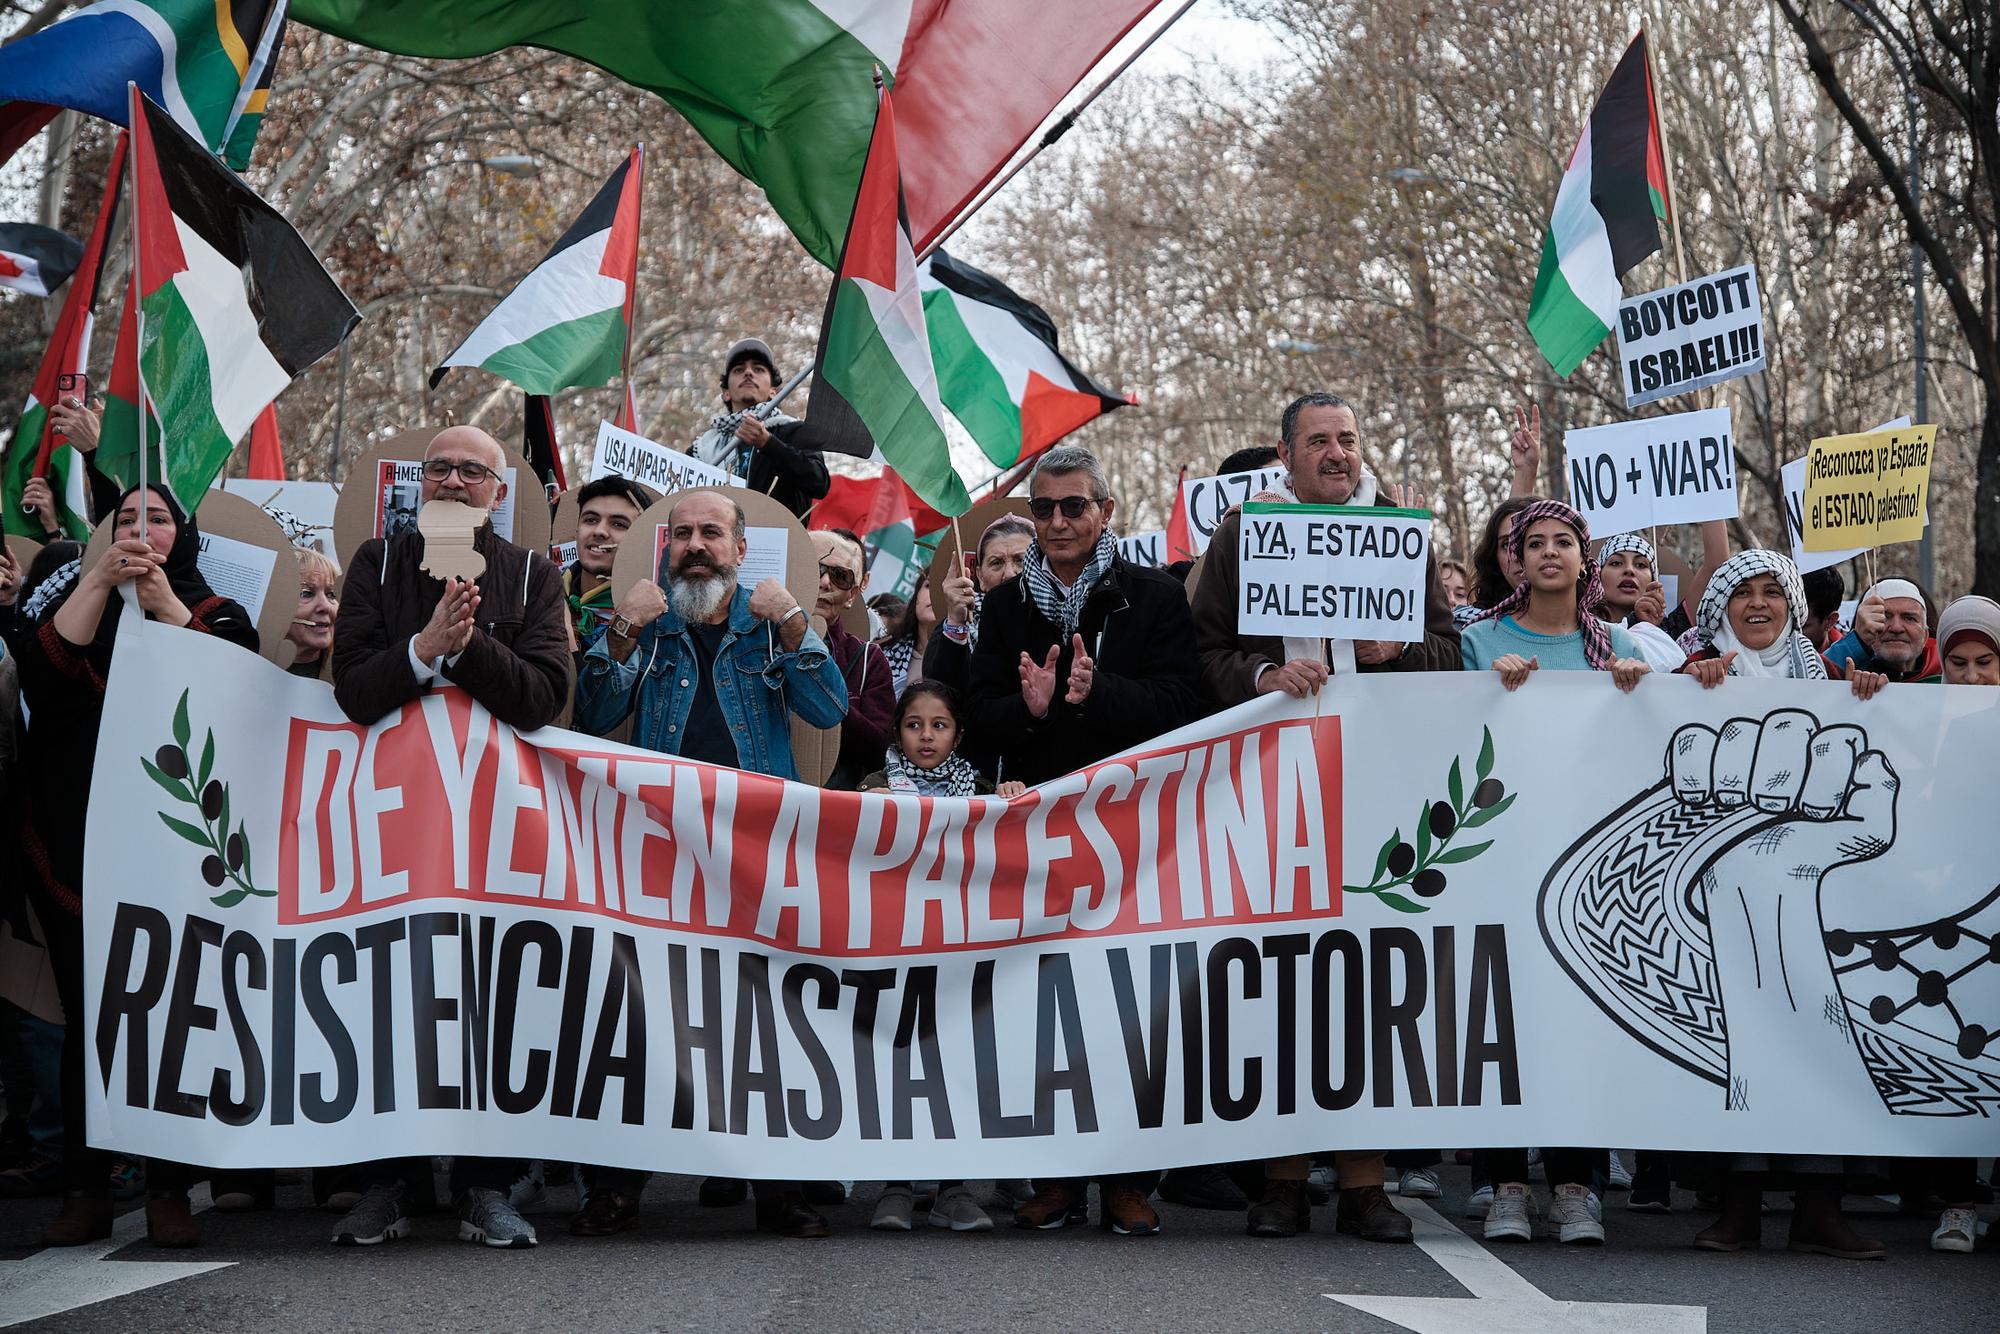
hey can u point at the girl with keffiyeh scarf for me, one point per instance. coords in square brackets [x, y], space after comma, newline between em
[1748, 625]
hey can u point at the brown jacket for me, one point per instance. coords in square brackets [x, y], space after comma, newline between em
[517, 665]
[1230, 662]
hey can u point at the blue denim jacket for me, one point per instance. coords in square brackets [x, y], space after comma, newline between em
[757, 683]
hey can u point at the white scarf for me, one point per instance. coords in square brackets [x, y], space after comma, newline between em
[1339, 653]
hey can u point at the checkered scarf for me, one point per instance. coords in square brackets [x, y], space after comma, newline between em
[1791, 654]
[1627, 542]
[1589, 592]
[1066, 610]
[952, 778]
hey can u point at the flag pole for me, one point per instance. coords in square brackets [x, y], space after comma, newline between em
[625, 365]
[133, 112]
[253, 73]
[1053, 133]
[1666, 159]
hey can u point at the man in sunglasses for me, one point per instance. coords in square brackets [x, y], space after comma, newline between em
[504, 638]
[1080, 656]
[773, 453]
[871, 684]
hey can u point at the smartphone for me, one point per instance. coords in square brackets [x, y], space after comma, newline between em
[73, 382]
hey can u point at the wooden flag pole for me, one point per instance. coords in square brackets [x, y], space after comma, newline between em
[1667, 159]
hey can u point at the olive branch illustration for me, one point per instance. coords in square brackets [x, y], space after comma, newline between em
[228, 853]
[1415, 866]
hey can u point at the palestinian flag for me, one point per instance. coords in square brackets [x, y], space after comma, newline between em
[873, 378]
[568, 322]
[232, 303]
[886, 515]
[33, 450]
[208, 62]
[780, 88]
[118, 436]
[999, 370]
[1605, 217]
[36, 260]
[538, 444]
[267, 451]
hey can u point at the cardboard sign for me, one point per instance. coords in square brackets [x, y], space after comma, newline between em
[372, 493]
[303, 509]
[240, 571]
[448, 528]
[1792, 480]
[1630, 476]
[621, 453]
[1699, 333]
[1149, 549]
[1206, 499]
[765, 554]
[1868, 490]
[1333, 571]
[399, 497]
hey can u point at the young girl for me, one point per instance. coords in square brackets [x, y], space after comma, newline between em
[923, 760]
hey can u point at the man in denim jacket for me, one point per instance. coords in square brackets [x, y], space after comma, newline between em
[717, 673]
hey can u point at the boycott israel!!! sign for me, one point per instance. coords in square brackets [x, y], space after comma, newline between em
[1869, 490]
[1333, 571]
[1700, 333]
[1640, 474]
[1403, 923]
[620, 453]
[1206, 499]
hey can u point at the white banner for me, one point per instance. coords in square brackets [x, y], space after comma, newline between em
[1204, 500]
[1333, 572]
[1630, 476]
[621, 453]
[1438, 914]
[1699, 333]
[1149, 549]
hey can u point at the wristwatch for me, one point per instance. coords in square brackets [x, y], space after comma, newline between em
[798, 609]
[621, 625]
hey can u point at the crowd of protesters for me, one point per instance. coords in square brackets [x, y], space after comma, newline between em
[1050, 652]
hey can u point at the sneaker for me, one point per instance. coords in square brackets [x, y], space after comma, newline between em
[128, 1179]
[893, 1209]
[526, 1192]
[1206, 1187]
[1575, 1217]
[1420, 1183]
[956, 1209]
[1650, 1197]
[1480, 1203]
[489, 1217]
[1055, 1205]
[1507, 1217]
[377, 1217]
[1955, 1231]
[1620, 1176]
[1126, 1210]
[1012, 1192]
[38, 1174]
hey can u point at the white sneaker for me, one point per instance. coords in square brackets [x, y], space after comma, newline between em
[1621, 1175]
[1420, 1183]
[527, 1190]
[1508, 1218]
[1480, 1203]
[1575, 1217]
[1955, 1231]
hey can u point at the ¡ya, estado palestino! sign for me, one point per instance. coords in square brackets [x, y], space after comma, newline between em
[1436, 912]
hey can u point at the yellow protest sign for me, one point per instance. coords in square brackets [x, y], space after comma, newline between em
[1868, 490]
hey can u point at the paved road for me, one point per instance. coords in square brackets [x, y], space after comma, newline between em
[685, 1266]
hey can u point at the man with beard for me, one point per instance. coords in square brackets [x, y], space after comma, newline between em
[504, 640]
[771, 452]
[1319, 442]
[699, 659]
[1891, 635]
[606, 509]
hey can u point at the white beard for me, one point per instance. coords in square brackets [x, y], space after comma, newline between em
[696, 600]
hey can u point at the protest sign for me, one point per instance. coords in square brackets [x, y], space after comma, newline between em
[303, 509]
[1635, 475]
[384, 492]
[1246, 938]
[1700, 332]
[1148, 549]
[970, 526]
[1792, 481]
[1204, 500]
[622, 453]
[1333, 571]
[1867, 490]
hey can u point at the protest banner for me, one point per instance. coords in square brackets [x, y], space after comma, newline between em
[1630, 476]
[622, 453]
[1333, 571]
[1694, 334]
[1792, 481]
[1408, 923]
[1204, 500]
[1148, 549]
[1867, 490]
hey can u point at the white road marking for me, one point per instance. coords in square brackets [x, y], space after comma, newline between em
[56, 1280]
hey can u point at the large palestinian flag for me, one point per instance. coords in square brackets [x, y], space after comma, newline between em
[780, 88]
[33, 450]
[232, 303]
[36, 260]
[899, 530]
[208, 62]
[568, 322]
[873, 377]
[1605, 217]
[998, 367]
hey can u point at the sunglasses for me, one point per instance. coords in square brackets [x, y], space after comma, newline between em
[842, 577]
[1044, 508]
[470, 472]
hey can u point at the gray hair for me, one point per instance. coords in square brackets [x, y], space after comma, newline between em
[1288, 425]
[1066, 459]
[741, 525]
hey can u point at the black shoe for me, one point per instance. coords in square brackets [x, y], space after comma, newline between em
[788, 1215]
[1365, 1212]
[605, 1212]
[825, 1192]
[1206, 1187]
[1283, 1212]
[723, 1192]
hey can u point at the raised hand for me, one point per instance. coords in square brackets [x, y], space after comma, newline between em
[1082, 671]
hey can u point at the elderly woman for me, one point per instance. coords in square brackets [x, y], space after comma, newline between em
[311, 631]
[1748, 624]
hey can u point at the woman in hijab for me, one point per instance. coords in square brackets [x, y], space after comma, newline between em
[64, 665]
[1968, 636]
[1748, 625]
[1633, 598]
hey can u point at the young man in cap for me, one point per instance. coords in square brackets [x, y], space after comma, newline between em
[772, 453]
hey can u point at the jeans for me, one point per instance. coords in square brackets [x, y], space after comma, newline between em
[31, 1056]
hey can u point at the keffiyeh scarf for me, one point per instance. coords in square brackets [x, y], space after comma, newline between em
[718, 445]
[953, 778]
[1589, 592]
[50, 592]
[1627, 542]
[1791, 654]
[1066, 609]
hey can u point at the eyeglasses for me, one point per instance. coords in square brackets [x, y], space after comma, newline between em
[842, 577]
[1044, 508]
[471, 472]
